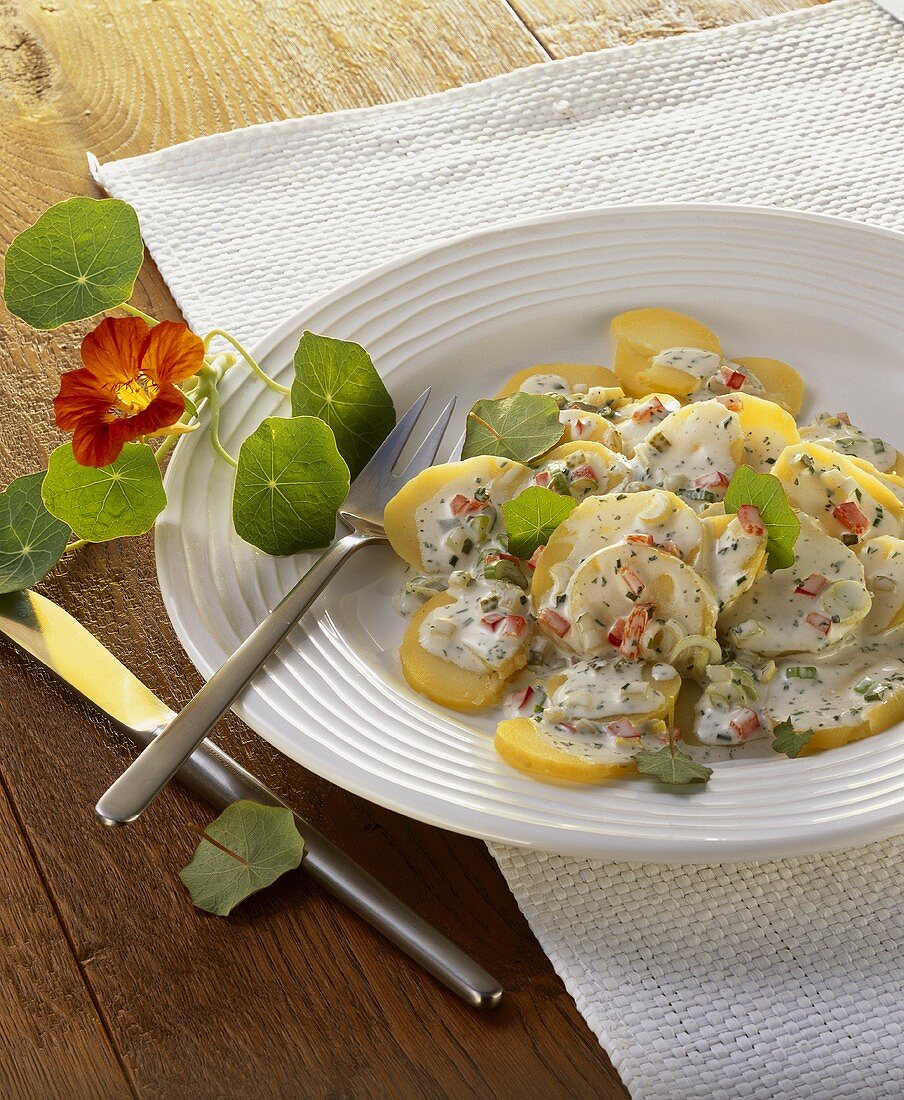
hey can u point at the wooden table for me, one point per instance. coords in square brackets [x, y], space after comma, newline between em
[112, 984]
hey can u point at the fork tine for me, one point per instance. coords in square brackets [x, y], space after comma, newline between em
[426, 453]
[392, 446]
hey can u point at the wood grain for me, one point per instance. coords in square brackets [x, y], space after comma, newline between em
[568, 27]
[291, 995]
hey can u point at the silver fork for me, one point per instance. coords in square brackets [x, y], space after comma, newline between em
[362, 514]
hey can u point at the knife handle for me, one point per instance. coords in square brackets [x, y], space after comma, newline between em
[149, 773]
[218, 779]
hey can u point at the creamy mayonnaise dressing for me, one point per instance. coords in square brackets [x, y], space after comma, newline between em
[486, 627]
[712, 371]
[837, 433]
[544, 383]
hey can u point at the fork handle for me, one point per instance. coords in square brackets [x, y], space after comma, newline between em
[149, 773]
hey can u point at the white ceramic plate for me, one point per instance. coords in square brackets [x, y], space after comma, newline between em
[821, 293]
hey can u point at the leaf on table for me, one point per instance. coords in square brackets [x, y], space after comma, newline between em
[80, 257]
[247, 848]
[786, 739]
[669, 765]
[337, 381]
[105, 502]
[766, 493]
[520, 426]
[289, 484]
[32, 541]
[532, 516]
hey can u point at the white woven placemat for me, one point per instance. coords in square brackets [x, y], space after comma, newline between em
[771, 980]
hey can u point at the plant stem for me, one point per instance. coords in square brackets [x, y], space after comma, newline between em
[249, 359]
[165, 446]
[77, 545]
[136, 312]
[213, 404]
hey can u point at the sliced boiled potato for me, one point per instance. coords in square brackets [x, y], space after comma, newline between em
[558, 378]
[781, 382]
[603, 691]
[893, 481]
[412, 518]
[773, 617]
[611, 583]
[693, 443]
[582, 426]
[635, 419]
[732, 559]
[640, 334]
[609, 467]
[882, 559]
[767, 429]
[521, 743]
[818, 481]
[878, 717]
[600, 521]
[445, 683]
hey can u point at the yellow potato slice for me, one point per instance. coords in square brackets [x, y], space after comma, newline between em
[695, 441]
[633, 430]
[445, 683]
[771, 619]
[877, 718]
[608, 465]
[407, 516]
[572, 374]
[781, 382]
[521, 744]
[732, 560]
[600, 521]
[767, 429]
[599, 593]
[893, 481]
[581, 426]
[640, 334]
[883, 569]
[817, 480]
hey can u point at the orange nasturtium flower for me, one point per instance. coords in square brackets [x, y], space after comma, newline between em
[127, 387]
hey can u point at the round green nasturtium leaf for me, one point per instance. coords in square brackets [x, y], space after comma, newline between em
[532, 516]
[337, 381]
[31, 539]
[246, 849]
[289, 484]
[80, 257]
[520, 426]
[106, 502]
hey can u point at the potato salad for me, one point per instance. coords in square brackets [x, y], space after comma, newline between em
[655, 566]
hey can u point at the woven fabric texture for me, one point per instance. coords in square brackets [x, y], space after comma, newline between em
[768, 980]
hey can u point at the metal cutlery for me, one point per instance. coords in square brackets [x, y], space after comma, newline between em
[362, 514]
[59, 642]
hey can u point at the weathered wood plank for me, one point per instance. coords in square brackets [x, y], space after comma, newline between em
[290, 996]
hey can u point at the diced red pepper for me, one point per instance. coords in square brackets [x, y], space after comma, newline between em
[631, 579]
[731, 401]
[750, 520]
[844, 418]
[513, 626]
[744, 723]
[583, 473]
[492, 620]
[570, 726]
[555, 622]
[732, 379]
[534, 559]
[635, 625]
[496, 556]
[668, 546]
[461, 504]
[714, 480]
[643, 540]
[522, 699]
[812, 586]
[653, 406]
[542, 478]
[624, 727]
[851, 516]
[616, 633]
[580, 427]
[822, 622]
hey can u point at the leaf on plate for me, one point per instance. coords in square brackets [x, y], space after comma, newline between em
[766, 494]
[80, 257]
[520, 426]
[31, 539]
[337, 381]
[532, 516]
[786, 739]
[289, 484]
[247, 848]
[105, 502]
[669, 765]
